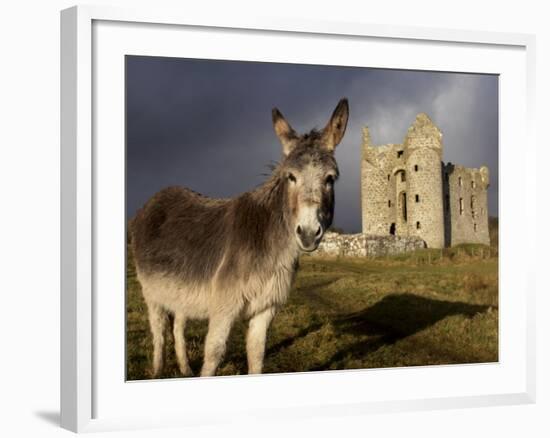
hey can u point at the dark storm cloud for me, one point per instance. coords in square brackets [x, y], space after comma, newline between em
[207, 124]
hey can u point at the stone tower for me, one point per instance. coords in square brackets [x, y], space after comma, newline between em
[465, 204]
[423, 165]
[407, 191]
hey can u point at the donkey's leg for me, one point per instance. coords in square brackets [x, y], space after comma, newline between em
[219, 327]
[179, 344]
[255, 339]
[157, 321]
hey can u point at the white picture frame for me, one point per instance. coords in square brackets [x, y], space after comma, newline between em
[86, 376]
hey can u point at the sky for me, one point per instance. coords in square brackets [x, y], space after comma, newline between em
[206, 124]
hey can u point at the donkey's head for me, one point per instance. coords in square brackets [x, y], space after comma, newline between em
[309, 171]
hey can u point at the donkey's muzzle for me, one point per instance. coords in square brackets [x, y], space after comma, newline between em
[309, 238]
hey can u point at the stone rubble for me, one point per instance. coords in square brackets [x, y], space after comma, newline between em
[363, 245]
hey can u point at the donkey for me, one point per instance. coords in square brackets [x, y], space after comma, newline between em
[218, 259]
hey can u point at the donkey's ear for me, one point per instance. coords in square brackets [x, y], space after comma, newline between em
[284, 131]
[336, 127]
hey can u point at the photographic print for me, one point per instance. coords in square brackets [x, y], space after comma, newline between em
[292, 218]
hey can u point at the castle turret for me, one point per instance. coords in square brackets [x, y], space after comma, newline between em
[424, 197]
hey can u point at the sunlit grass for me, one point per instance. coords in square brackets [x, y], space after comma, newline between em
[424, 308]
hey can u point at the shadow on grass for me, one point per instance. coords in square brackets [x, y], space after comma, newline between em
[279, 346]
[403, 315]
[311, 294]
[391, 319]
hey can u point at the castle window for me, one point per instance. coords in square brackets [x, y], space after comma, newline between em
[417, 198]
[392, 229]
[460, 181]
[401, 175]
[475, 227]
[399, 154]
[416, 167]
[473, 203]
[389, 203]
[404, 205]
[417, 225]
[473, 184]
[461, 201]
[388, 176]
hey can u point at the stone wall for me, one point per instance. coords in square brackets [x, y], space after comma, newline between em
[376, 167]
[363, 245]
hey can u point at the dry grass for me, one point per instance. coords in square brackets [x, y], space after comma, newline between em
[425, 308]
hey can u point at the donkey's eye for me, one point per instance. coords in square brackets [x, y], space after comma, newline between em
[291, 177]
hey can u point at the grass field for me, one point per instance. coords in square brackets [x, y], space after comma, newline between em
[425, 308]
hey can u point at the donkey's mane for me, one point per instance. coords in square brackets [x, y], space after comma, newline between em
[268, 189]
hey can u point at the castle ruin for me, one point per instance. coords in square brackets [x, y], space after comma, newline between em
[406, 190]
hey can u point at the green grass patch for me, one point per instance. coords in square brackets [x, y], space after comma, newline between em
[424, 308]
